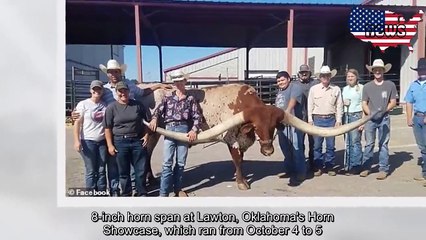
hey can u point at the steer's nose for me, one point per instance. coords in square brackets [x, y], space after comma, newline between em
[267, 151]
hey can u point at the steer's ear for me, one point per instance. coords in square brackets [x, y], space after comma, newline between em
[246, 128]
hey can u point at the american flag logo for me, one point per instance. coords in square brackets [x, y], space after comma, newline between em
[383, 28]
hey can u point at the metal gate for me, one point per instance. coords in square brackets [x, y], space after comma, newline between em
[77, 88]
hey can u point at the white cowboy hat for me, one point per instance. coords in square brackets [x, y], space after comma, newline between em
[326, 70]
[178, 75]
[113, 64]
[379, 63]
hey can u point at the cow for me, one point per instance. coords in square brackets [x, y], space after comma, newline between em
[234, 115]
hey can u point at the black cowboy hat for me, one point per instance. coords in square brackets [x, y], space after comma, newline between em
[421, 65]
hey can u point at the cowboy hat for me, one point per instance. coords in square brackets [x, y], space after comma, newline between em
[113, 64]
[178, 75]
[326, 70]
[379, 63]
[421, 65]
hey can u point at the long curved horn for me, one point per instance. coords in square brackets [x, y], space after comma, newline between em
[322, 131]
[210, 135]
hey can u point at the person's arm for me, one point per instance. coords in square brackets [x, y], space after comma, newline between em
[151, 89]
[196, 117]
[78, 123]
[108, 125]
[409, 111]
[77, 137]
[409, 99]
[310, 105]
[365, 100]
[339, 107]
[392, 102]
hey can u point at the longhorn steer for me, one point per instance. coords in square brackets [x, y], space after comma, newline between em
[234, 114]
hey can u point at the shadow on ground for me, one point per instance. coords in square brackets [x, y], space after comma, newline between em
[213, 173]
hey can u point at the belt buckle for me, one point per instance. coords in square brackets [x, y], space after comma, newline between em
[130, 135]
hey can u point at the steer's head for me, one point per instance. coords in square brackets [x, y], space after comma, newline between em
[263, 120]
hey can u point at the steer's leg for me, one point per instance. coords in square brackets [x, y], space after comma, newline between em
[152, 142]
[237, 158]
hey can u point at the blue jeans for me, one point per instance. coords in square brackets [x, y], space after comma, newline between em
[130, 152]
[113, 175]
[291, 144]
[173, 178]
[330, 154]
[383, 127]
[353, 150]
[419, 129]
[94, 155]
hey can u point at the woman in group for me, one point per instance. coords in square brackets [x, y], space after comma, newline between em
[352, 102]
[89, 137]
[126, 137]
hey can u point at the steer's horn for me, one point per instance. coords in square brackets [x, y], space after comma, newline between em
[323, 131]
[209, 135]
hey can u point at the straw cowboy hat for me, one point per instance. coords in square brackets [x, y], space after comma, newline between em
[379, 63]
[326, 70]
[113, 64]
[421, 65]
[178, 75]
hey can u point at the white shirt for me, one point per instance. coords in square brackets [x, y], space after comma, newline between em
[92, 115]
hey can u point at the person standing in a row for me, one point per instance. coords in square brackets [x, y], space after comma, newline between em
[416, 103]
[352, 102]
[379, 98]
[126, 137]
[325, 109]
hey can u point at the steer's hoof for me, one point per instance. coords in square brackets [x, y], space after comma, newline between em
[243, 186]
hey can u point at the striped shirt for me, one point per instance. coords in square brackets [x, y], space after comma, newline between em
[110, 95]
[325, 100]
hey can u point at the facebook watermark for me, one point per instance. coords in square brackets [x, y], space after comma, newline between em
[86, 192]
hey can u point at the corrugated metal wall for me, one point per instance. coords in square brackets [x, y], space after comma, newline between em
[232, 65]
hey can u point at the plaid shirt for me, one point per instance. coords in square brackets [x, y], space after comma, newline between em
[171, 109]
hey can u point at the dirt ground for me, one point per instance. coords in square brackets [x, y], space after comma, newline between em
[210, 171]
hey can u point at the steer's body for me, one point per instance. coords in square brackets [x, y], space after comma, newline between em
[237, 113]
[219, 104]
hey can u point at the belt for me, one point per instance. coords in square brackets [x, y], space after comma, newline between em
[351, 113]
[421, 114]
[177, 123]
[130, 135]
[324, 115]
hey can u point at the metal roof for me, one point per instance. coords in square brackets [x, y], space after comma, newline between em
[207, 24]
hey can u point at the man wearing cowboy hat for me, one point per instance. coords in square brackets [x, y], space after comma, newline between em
[306, 81]
[325, 109]
[181, 113]
[416, 100]
[114, 71]
[378, 96]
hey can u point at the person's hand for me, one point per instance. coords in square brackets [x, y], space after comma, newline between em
[361, 128]
[338, 124]
[153, 124]
[192, 135]
[145, 140]
[410, 122]
[312, 123]
[112, 150]
[75, 115]
[77, 146]
[379, 115]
